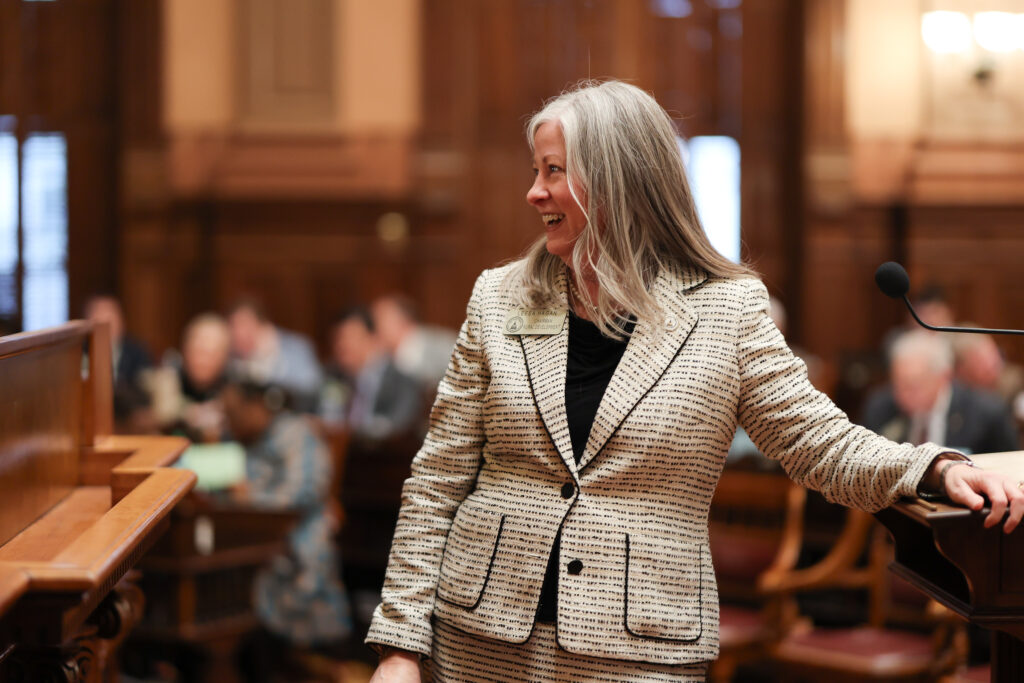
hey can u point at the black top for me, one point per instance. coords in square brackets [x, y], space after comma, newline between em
[592, 360]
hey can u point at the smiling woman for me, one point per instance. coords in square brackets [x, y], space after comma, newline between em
[607, 159]
[554, 526]
[558, 198]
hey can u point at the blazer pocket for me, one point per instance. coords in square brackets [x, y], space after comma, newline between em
[469, 555]
[664, 588]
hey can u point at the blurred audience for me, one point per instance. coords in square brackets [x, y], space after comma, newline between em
[186, 389]
[266, 353]
[420, 351]
[981, 365]
[924, 403]
[130, 359]
[299, 598]
[378, 400]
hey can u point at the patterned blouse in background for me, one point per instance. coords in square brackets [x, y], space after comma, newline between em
[298, 596]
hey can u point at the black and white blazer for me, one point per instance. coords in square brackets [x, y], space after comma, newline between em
[496, 480]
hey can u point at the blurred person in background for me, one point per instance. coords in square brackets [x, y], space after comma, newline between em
[267, 353]
[923, 403]
[378, 399]
[186, 389]
[420, 351]
[298, 598]
[980, 364]
[130, 358]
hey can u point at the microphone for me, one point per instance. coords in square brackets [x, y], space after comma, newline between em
[894, 282]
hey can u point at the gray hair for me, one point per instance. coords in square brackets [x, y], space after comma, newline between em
[932, 347]
[207, 323]
[623, 156]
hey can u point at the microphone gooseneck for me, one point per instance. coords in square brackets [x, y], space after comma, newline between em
[894, 282]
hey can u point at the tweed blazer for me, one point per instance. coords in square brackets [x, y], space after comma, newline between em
[496, 481]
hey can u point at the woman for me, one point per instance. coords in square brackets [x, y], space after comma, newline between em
[185, 391]
[288, 467]
[555, 524]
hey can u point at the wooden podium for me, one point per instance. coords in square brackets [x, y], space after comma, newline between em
[78, 506]
[978, 573]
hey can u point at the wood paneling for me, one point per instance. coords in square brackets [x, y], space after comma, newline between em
[39, 428]
[287, 55]
[251, 220]
[771, 143]
[949, 211]
[59, 75]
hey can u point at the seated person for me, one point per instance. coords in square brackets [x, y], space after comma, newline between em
[129, 359]
[186, 389]
[381, 400]
[298, 597]
[267, 353]
[924, 404]
[420, 351]
[980, 364]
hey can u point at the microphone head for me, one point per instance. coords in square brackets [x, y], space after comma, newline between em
[892, 280]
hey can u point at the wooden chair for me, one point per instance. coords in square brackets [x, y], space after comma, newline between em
[371, 496]
[199, 578]
[756, 522]
[906, 637]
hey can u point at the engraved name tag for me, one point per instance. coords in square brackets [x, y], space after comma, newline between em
[539, 321]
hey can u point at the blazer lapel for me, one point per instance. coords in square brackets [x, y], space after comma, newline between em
[546, 358]
[651, 349]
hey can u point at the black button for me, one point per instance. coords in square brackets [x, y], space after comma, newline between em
[575, 567]
[567, 490]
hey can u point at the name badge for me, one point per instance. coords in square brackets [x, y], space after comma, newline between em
[541, 321]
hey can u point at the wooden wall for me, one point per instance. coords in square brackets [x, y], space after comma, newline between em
[58, 72]
[179, 218]
[883, 182]
[451, 199]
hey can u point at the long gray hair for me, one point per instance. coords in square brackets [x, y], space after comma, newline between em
[623, 157]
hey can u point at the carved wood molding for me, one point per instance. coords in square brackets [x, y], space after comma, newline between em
[927, 174]
[290, 167]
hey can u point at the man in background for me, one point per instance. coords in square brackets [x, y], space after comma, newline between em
[924, 404]
[265, 353]
[420, 351]
[129, 359]
[382, 400]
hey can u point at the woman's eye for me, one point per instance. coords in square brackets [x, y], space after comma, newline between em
[554, 169]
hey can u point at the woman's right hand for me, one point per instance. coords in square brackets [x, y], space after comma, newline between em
[398, 666]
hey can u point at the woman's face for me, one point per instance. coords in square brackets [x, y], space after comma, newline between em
[562, 217]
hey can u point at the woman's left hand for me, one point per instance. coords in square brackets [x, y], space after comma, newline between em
[965, 485]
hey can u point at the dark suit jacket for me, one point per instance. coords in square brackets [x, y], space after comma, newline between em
[977, 421]
[129, 395]
[395, 406]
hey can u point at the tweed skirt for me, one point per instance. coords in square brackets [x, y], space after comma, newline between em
[464, 658]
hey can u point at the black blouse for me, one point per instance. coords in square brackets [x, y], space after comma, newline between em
[592, 360]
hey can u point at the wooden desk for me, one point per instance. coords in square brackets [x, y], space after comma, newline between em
[199, 583]
[946, 552]
[78, 506]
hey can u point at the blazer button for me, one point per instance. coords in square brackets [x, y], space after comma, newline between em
[567, 490]
[575, 567]
[671, 323]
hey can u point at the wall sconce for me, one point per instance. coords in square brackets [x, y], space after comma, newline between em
[987, 34]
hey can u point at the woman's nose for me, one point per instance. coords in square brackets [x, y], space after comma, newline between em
[537, 192]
